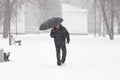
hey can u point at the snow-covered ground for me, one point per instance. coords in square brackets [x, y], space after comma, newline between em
[88, 58]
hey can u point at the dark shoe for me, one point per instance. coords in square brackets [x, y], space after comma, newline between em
[5, 60]
[59, 63]
[8, 60]
[62, 61]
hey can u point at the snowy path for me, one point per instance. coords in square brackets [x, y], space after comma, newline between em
[88, 58]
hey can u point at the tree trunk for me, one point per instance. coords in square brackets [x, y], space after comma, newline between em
[99, 25]
[6, 29]
[104, 29]
[95, 28]
[118, 21]
[112, 19]
[105, 19]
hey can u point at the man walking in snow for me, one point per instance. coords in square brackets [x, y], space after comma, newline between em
[60, 35]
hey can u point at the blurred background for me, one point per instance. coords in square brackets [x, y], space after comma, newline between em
[97, 17]
[93, 52]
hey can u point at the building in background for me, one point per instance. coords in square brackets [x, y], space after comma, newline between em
[30, 16]
[75, 19]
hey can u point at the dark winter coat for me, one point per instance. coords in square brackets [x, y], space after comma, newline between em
[60, 36]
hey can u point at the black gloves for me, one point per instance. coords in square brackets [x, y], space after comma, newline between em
[68, 41]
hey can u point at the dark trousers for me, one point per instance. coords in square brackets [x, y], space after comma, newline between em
[58, 49]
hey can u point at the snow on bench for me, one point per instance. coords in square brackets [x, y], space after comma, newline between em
[13, 41]
[1, 55]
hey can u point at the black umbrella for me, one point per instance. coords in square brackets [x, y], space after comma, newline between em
[50, 23]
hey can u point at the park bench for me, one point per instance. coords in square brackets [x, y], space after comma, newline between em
[4, 56]
[19, 42]
[13, 41]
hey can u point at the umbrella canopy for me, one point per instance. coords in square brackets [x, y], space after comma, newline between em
[50, 23]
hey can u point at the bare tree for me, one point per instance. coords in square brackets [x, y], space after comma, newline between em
[105, 19]
[95, 14]
[112, 19]
[106, 9]
[8, 12]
